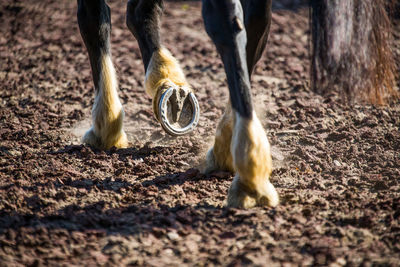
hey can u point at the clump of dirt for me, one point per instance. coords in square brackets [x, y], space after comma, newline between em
[337, 168]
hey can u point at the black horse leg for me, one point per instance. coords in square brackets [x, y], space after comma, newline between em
[164, 76]
[249, 147]
[143, 18]
[107, 113]
[257, 20]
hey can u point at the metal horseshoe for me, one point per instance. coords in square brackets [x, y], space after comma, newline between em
[163, 114]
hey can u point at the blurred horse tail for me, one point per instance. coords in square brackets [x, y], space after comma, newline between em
[351, 49]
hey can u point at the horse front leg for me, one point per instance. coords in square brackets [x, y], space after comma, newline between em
[107, 113]
[249, 148]
[257, 21]
[174, 104]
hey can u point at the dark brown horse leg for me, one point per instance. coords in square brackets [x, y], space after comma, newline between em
[249, 145]
[107, 113]
[173, 99]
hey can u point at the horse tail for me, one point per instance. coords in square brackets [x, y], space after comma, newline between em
[351, 49]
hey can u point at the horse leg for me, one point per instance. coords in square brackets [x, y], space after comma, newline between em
[107, 113]
[249, 147]
[162, 69]
[257, 20]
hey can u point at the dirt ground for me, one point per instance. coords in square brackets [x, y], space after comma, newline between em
[336, 168]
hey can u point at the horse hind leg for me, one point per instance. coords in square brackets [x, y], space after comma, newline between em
[219, 157]
[107, 112]
[163, 71]
[249, 147]
[257, 21]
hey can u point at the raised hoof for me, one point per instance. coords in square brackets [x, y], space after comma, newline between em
[178, 110]
[239, 196]
[91, 139]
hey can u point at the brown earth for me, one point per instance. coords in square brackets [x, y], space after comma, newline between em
[336, 168]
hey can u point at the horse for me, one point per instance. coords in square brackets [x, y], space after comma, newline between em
[345, 56]
[239, 30]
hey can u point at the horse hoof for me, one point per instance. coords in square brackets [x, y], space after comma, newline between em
[178, 110]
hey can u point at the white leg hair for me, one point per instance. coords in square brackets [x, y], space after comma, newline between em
[219, 157]
[253, 164]
[107, 111]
